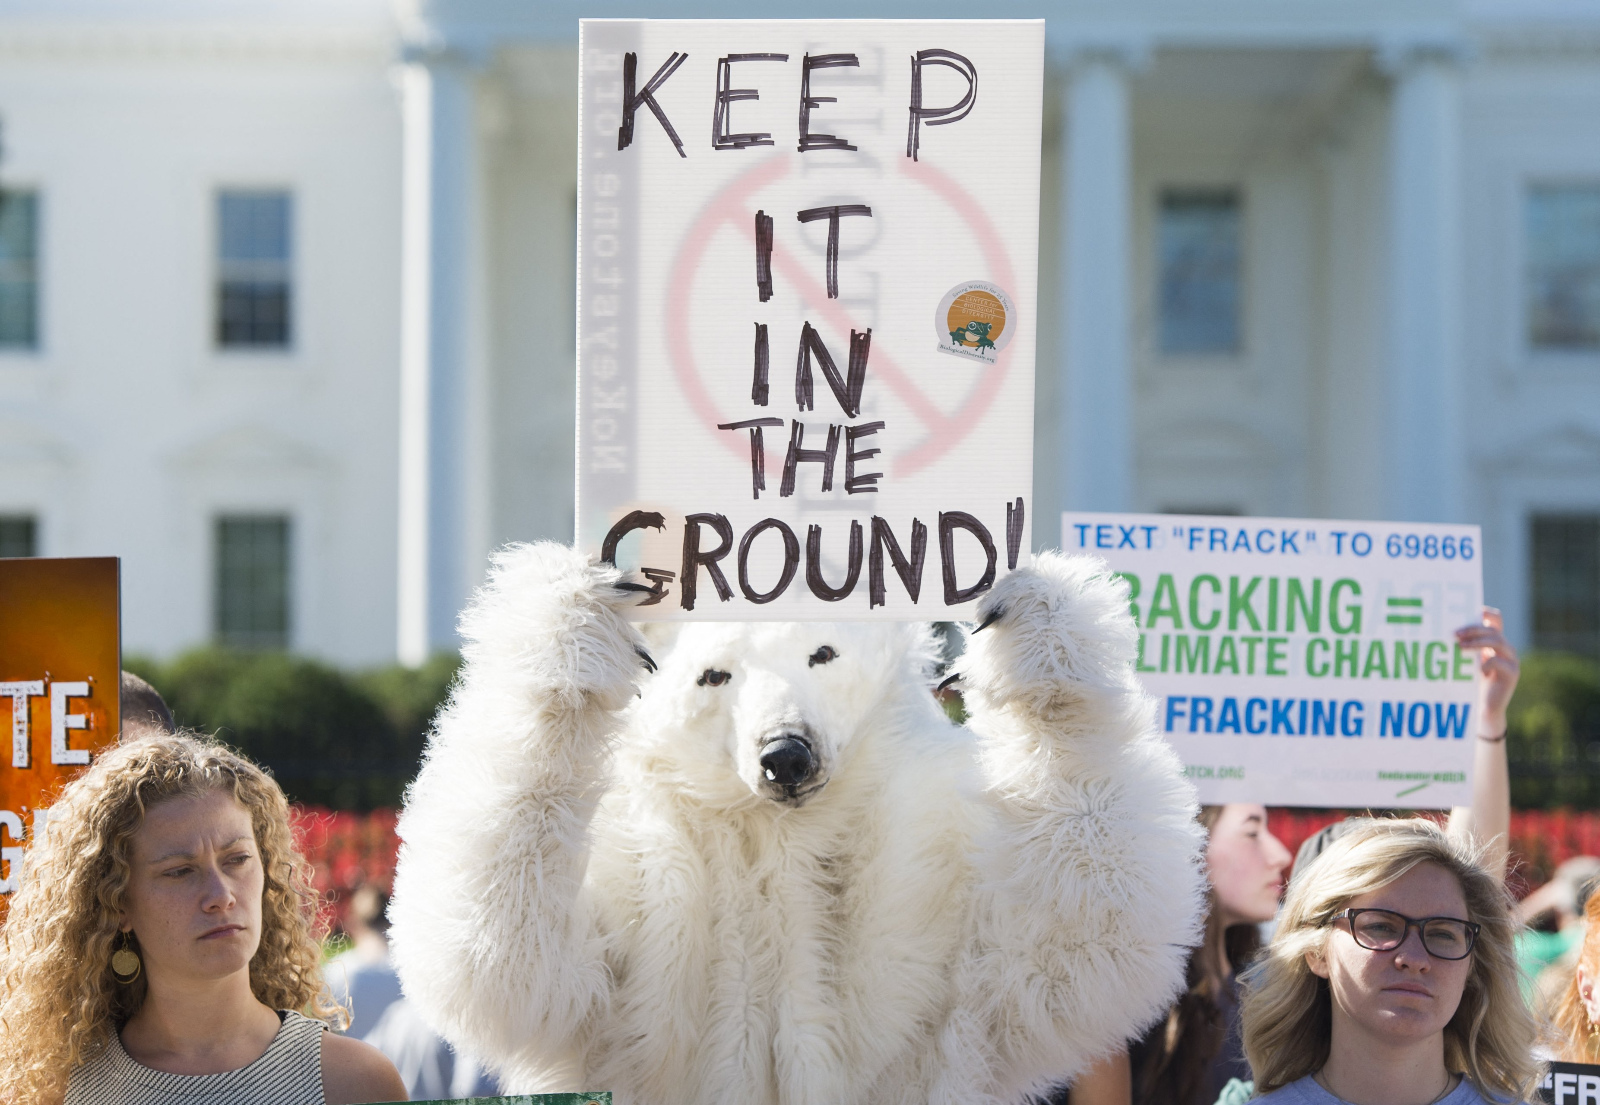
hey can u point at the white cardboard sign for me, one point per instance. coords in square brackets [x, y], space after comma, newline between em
[1304, 662]
[807, 310]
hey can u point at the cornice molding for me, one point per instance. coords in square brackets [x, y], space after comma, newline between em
[1542, 41]
[129, 41]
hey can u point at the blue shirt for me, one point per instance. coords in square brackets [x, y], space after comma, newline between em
[1307, 1092]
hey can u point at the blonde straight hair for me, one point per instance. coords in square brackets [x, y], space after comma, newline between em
[1287, 1010]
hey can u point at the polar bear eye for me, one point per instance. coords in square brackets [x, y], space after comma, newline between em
[822, 656]
[713, 677]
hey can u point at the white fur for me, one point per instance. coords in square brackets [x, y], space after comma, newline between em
[595, 891]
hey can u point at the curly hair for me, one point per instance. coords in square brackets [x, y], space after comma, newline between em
[59, 1002]
[1578, 1039]
[1287, 1009]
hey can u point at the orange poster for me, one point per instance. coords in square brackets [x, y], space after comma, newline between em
[60, 677]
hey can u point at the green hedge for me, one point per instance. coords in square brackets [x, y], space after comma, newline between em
[353, 740]
[349, 740]
[1554, 733]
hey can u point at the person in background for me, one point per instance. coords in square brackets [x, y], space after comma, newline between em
[361, 978]
[143, 709]
[1188, 1056]
[429, 1067]
[163, 949]
[364, 981]
[1391, 979]
[1547, 958]
[1576, 1019]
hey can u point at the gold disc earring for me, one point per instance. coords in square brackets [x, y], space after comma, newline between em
[125, 962]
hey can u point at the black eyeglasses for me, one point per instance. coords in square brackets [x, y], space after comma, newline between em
[1384, 930]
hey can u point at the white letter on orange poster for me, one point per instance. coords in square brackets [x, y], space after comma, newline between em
[19, 692]
[61, 721]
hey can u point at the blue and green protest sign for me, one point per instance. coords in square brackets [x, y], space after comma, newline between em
[1303, 662]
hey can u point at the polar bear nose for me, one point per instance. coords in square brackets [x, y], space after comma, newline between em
[786, 761]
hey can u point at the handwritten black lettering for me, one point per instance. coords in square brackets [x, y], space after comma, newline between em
[909, 570]
[637, 519]
[758, 461]
[791, 560]
[938, 116]
[833, 215]
[694, 557]
[948, 524]
[867, 481]
[758, 381]
[764, 255]
[1014, 517]
[846, 391]
[814, 580]
[809, 141]
[720, 138]
[798, 456]
[646, 96]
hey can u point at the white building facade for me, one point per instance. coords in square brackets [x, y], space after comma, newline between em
[301, 279]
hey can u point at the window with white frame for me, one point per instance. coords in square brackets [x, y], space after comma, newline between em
[1566, 582]
[19, 535]
[1198, 246]
[254, 260]
[1562, 251]
[19, 269]
[252, 581]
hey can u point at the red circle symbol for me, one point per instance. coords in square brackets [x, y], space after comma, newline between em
[732, 206]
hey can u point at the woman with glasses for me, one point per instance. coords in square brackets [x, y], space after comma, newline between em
[1391, 979]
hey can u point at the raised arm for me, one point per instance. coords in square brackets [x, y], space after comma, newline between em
[1488, 819]
[491, 934]
[1095, 886]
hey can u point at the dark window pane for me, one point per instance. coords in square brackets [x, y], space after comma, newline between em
[1199, 259]
[252, 578]
[19, 267]
[19, 535]
[1563, 266]
[1566, 582]
[253, 268]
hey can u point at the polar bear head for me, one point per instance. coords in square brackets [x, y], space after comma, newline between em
[776, 709]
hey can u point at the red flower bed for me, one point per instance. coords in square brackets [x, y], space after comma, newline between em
[348, 849]
[1540, 839]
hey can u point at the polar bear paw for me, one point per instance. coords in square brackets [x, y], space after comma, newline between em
[1049, 636]
[550, 620]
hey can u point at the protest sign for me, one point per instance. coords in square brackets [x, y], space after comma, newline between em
[60, 681]
[858, 200]
[1571, 1084]
[1303, 662]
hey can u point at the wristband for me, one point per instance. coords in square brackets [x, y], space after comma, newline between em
[1493, 740]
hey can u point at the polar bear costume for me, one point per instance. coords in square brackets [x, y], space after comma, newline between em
[772, 871]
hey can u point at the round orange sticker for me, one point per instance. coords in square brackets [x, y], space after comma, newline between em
[975, 319]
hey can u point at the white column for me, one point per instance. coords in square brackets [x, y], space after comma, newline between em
[1426, 461]
[438, 282]
[1097, 385]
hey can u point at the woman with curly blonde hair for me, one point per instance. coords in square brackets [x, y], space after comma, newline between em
[1391, 979]
[163, 946]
